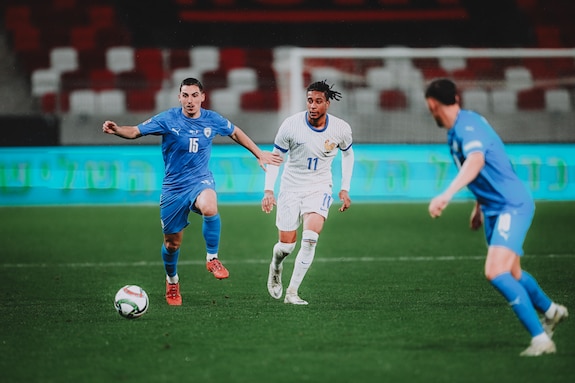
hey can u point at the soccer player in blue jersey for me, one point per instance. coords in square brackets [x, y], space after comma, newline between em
[504, 206]
[188, 186]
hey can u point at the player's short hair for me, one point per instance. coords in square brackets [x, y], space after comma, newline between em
[322, 86]
[443, 90]
[192, 81]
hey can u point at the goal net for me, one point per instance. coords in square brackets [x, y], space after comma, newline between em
[527, 94]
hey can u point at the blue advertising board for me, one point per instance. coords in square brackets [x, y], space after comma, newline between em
[133, 174]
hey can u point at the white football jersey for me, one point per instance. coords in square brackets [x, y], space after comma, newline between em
[310, 152]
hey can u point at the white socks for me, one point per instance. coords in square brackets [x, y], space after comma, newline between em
[174, 279]
[281, 250]
[303, 260]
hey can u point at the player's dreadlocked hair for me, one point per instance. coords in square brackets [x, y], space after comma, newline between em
[322, 86]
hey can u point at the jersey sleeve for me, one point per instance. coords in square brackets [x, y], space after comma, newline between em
[222, 125]
[347, 139]
[281, 141]
[473, 139]
[155, 125]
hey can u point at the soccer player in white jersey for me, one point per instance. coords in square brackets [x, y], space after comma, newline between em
[311, 140]
[188, 186]
[504, 206]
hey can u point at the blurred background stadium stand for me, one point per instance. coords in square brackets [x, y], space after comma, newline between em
[75, 63]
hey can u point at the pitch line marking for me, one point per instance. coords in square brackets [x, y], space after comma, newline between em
[264, 261]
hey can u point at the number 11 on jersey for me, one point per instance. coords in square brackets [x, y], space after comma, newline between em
[312, 163]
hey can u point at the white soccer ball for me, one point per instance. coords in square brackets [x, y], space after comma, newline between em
[131, 301]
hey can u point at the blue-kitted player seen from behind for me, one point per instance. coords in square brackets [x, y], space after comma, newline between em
[504, 206]
[188, 185]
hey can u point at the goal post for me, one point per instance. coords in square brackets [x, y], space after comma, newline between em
[368, 77]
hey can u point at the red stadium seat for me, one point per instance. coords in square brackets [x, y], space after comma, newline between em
[178, 58]
[17, 17]
[102, 79]
[140, 100]
[260, 100]
[392, 100]
[83, 38]
[150, 62]
[531, 99]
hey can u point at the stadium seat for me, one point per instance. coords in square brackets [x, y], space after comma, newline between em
[45, 81]
[26, 39]
[259, 101]
[225, 101]
[179, 58]
[150, 62]
[166, 99]
[393, 99]
[101, 16]
[17, 16]
[140, 100]
[111, 102]
[132, 80]
[102, 79]
[120, 59]
[216, 79]
[83, 38]
[531, 99]
[180, 74]
[518, 78]
[557, 100]
[475, 99]
[242, 79]
[83, 102]
[379, 78]
[503, 101]
[231, 58]
[365, 100]
[91, 59]
[205, 58]
[75, 80]
[64, 59]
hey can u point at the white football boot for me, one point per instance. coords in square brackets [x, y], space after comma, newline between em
[275, 281]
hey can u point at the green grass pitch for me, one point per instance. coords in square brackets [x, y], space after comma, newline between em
[394, 297]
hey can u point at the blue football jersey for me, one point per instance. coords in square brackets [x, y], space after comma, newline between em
[186, 145]
[497, 186]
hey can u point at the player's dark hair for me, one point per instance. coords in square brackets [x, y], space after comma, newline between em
[443, 90]
[192, 81]
[322, 86]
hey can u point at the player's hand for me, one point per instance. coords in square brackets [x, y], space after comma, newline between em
[476, 219]
[438, 204]
[270, 159]
[109, 127]
[268, 201]
[345, 200]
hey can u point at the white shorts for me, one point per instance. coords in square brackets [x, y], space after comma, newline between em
[291, 206]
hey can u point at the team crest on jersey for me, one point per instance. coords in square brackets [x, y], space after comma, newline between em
[207, 132]
[329, 146]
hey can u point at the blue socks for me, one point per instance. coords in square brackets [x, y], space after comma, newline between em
[520, 302]
[540, 300]
[211, 231]
[170, 261]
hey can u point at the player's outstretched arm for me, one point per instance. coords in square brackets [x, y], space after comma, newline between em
[468, 172]
[128, 132]
[263, 157]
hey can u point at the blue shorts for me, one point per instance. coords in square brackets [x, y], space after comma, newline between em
[508, 229]
[175, 207]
